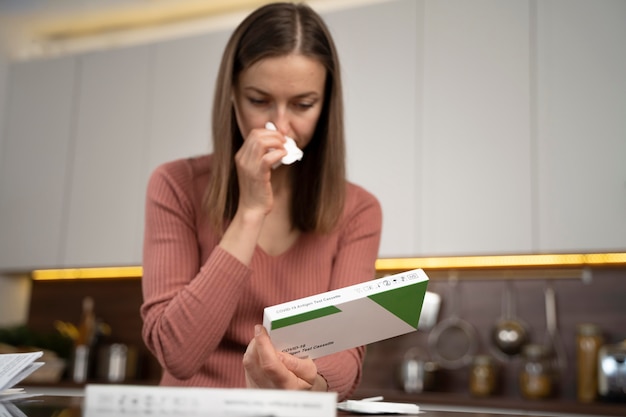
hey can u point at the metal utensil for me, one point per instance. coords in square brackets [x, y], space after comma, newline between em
[430, 311]
[453, 341]
[509, 334]
[417, 373]
[553, 337]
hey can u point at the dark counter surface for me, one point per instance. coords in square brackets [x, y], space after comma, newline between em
[71, 406]
[518, 406]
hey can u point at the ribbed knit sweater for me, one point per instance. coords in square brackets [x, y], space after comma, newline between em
[201, 304]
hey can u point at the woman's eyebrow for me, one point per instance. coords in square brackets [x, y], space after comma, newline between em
[306, 94]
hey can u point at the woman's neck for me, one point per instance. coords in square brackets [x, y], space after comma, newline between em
[281, 182]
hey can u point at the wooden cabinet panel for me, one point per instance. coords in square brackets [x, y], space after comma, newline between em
[106, 192]
[116, 303]
[34, 169]
[581, 120]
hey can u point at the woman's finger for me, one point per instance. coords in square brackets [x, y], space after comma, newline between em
[262, 365]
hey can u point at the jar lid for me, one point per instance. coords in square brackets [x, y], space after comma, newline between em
[589, 329]
[483, 360]
[533, 350]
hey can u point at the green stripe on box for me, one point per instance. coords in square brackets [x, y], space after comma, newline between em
[405, 302]
[299, 318]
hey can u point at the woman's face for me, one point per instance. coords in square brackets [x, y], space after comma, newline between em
[286, 90]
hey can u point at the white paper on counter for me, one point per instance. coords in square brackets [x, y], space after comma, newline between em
[14, 394]
[114, 400]
[10, 410]
[14, 367]
[378, 407]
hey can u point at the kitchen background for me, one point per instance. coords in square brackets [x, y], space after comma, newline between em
[485, 127]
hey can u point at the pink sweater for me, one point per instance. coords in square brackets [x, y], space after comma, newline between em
[201, 304]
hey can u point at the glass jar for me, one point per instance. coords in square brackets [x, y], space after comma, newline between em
[483, 376]
[589, 340]
[536, 376]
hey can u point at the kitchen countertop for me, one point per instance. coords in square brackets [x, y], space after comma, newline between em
[71, 406]
[517, 406]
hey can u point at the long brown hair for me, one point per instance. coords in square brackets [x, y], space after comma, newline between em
[275, 30]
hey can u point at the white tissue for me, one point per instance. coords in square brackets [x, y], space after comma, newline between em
[293, 152]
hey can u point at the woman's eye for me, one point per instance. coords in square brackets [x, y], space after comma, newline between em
[304, 105]
[257, 101]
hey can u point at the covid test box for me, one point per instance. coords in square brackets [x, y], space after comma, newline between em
[348, 317]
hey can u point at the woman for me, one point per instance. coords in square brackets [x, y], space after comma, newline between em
[230, 233]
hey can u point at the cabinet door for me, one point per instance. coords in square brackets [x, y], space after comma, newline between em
[182, 97]
[475, 155]
[106, 191]
[181, 101]
[380, 50]
[4, 75]
[581, 119]
[34, 170]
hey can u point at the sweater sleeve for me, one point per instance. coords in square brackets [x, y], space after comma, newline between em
[183, 299]
[355, 262]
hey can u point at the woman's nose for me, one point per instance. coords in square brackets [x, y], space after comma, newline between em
[281, 121]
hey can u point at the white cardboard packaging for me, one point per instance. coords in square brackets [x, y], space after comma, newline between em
[348, 317]
[106, 400]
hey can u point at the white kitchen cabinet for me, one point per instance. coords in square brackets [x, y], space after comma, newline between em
[4, 74]
[380, 48]
[112, 115]
[182, 97]
[181, 92]
[475, 157]
[483, 127]
[581, 125]
[34, 170]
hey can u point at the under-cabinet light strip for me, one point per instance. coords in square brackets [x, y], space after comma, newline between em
[387, 264]
[88, 273]
[504, 261]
